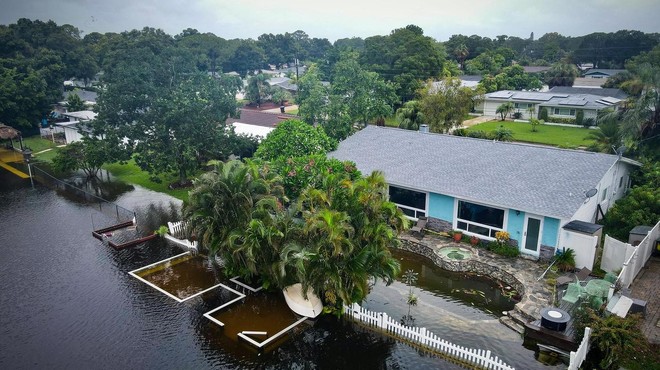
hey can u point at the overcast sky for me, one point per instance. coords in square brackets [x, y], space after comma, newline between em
[335, 19]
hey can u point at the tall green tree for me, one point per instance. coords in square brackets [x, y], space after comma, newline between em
[293, 138]
[445, 104]
[561, 74]
[410, 115]
[257, 89]
[312, 96]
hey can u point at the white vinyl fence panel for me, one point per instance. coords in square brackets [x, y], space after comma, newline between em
[578, 356]
[477, 357]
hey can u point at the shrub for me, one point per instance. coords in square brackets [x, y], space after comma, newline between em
[588, 122]
[579, 117]
[569, 121]
[543, 114]
[460, 132]
[517, 115]
[479, 134]
[565, 260]
[502, 134]
[503, 249]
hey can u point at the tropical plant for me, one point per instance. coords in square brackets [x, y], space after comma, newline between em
[348, 227]
[410, 116]
[444, 105]
[579, 117]
[74, 103]
[617, 339]
[535, 124]
[257, 89]
[502, 134]
[504, 109]
[607, 136]
[565, 260]
[222, 202]
[543, 114]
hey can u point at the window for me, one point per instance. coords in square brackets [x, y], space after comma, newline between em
[564, 112]
[411, 202]
[479, 219]
[522, 105]
[604, 195]
[620, 182]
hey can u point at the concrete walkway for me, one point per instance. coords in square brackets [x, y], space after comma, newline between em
[477, 120]
[287, 109]
[647, 287]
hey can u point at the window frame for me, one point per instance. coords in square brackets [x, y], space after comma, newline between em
[417, 212]
[491, 229]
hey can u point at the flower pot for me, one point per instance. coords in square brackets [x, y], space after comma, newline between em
[458, 237]
[474, 241]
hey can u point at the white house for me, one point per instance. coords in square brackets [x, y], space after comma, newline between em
[73, 130]
[482, 187]
[558, 104]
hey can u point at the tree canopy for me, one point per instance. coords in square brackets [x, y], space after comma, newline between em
[293, 138]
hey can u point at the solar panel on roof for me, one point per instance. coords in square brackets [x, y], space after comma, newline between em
[603, 102]
[578, 102]
[533, 96]
[501, 94]
[610, 99]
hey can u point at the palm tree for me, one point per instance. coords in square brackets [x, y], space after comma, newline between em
[222, 203]
[504, 109]
[461, 52]
[641, 119]
[409, 115]
[608, 135]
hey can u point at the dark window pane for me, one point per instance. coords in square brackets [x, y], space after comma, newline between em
[461, 225]
[421, 214]
[478, 230]
[481, 214]
[408, 212]
[407, 197]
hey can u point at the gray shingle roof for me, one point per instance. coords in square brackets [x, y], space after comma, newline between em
[615, 93]
[547, 181]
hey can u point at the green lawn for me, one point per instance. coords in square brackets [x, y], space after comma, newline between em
[291, 111]
[564, 137]
[132, 174]
[37, 144]
[391, 121]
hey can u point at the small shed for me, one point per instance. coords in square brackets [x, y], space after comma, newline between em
[582, 237]
[637, 234]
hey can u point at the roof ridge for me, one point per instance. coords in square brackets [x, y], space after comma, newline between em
[498, 142]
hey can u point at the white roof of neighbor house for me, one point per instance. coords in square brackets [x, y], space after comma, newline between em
[246, 129]
[555, 99]
[83, 115]
[543, 180]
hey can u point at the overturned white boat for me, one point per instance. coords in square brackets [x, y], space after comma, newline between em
[310, 307]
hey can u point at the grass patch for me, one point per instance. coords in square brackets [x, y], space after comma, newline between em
[37, 143]
[391, 121]
[563, 137]
[46, 156]
[292, 111]
[131, 173]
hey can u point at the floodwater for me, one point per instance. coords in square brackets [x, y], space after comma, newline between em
[68, 302]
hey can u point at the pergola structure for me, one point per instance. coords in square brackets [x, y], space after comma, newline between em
[8, 132]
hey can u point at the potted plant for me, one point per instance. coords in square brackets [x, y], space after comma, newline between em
[458, 235]
[474, 240]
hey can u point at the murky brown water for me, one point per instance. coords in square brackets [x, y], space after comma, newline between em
[68, 302]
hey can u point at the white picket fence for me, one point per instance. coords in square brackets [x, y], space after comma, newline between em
[422, 337]
[578, 356]
[176, 230]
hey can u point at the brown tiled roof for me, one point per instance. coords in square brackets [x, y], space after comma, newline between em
[258, 118]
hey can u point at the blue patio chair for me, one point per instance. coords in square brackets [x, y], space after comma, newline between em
[573, 293]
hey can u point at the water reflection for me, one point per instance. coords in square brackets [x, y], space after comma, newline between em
[68, 302]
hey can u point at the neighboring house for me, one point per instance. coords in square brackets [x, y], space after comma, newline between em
[257, 123]
[483, 186]
[602, 73]
[74, 129]
[535, 69]
[592, 83]
[560, 105]
[88, 97]
[470, 81]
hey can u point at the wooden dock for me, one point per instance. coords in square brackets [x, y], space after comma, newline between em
[561, 339]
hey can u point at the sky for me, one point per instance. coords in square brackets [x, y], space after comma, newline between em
[333, 19]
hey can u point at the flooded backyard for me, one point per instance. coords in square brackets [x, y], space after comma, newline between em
[69, 302]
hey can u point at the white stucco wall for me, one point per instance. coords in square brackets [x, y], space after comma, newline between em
[608, 192]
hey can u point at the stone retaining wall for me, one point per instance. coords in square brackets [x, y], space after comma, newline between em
[469, 265]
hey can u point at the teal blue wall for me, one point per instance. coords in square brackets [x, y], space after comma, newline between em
[515, 225]
[550, 231]
[441, 206]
